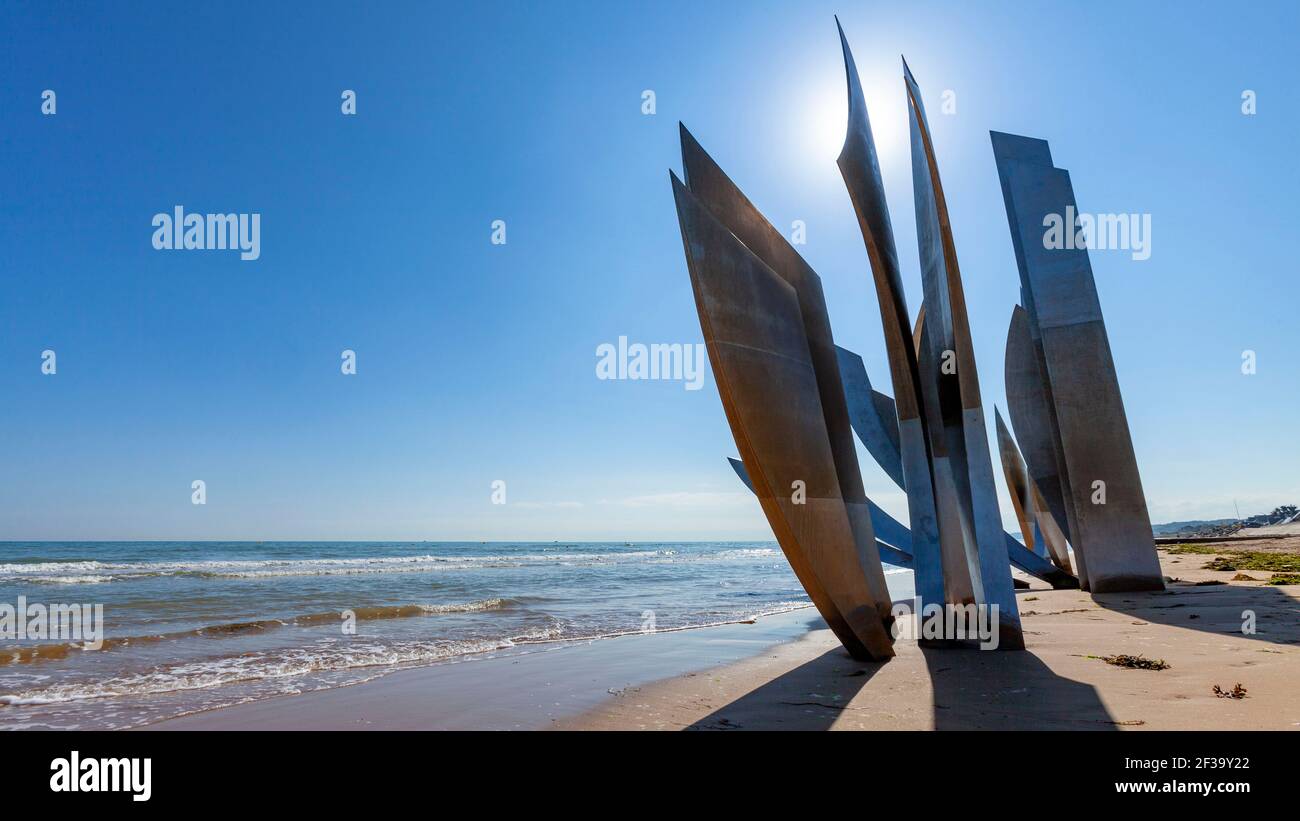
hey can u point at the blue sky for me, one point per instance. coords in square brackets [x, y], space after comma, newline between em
[476, 362]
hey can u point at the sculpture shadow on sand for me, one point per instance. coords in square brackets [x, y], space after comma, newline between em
[1221, 609]
[971, 690]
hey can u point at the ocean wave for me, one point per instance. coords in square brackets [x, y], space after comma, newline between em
[54, 652]
[745, 552]
[261, 667]
[91, 571]
[336, 657]
[89, 578]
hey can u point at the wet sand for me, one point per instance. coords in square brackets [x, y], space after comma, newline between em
[527, 690]
[788, 672]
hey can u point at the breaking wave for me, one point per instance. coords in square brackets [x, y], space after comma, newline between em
[334, 657]
[50, 652]
[91, 571]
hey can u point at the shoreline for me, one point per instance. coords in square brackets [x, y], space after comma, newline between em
[527, 688]
[787, 671]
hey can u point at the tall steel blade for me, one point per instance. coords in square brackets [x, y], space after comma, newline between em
[1033, 417]
[755, 337]
[861, 172]
[947, 325]
[1111, 531]
[895, 542]
[732, 208]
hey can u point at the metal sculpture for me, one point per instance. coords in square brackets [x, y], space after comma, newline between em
[1037, 526]
[861, 172]
[873, 420]
[732, 208]
[894, 542]
[872, 415]
[1033, 416]
[947, 330]
[1017, 478]
[754, 333]
[793, 399]
[892, 539]
[1111, 531]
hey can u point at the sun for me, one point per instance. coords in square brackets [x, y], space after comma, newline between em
[824, 116]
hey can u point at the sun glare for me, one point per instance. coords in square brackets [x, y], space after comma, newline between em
[824, 120]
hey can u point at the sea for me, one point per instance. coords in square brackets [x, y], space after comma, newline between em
[193, 626]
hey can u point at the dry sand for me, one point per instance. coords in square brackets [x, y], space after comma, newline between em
[1059, 683]
[789, 672]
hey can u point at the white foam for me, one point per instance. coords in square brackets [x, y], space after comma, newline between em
[78, 572]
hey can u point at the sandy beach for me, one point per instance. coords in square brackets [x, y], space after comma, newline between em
[1059, 683]
[788, 672]
[528, 690]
